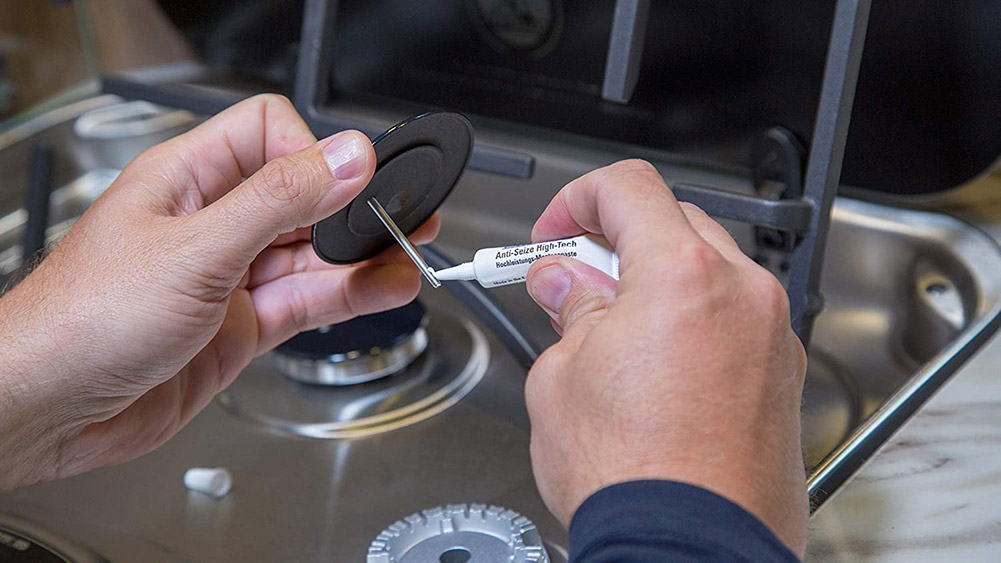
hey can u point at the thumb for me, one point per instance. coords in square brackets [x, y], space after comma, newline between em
[288, 192]
[574, 294]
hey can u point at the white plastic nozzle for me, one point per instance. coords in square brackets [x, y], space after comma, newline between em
[213, 481]
[466, 271]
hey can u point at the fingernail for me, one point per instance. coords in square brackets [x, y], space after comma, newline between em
[549, 288]
[345, 154]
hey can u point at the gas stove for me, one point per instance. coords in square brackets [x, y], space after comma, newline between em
[367, 441]
[332, 441]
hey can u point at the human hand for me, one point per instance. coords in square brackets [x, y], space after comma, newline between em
[687, 369]
[174, 280]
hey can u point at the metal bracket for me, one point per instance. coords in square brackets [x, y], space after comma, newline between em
[788, 215]
[823, 171]
[313, 86]
[777, 162]
[625, 50]
[827, 150]
[204, 101]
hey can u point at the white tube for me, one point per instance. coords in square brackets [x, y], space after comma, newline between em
[493, 267]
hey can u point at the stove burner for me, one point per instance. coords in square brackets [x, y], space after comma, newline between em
[27, 542]
[360, 350]
[460, 533]
[456, 360]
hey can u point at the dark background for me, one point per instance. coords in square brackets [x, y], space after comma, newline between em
[715, 73]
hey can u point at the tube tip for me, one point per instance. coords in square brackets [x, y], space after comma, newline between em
[461, 272]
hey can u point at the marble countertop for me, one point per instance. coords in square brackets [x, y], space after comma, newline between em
[933, 492]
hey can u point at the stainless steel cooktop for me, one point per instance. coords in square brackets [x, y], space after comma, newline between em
[319, 472]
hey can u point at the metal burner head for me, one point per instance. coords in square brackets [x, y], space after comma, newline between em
[432, 383]
[460, 533]
[360, 350]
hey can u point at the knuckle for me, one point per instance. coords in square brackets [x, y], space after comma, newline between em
[298, 308]
[690, 208]
[799, 359]
[771, 300]
[156, 158]
[269, 98]
[696, 214]
[538, 385]
[701, 264]
[627, 170]
[699, 219]
[635, 177]
[772, 294]
[211, 289]
[634, 165]
[146, 157]
[204, 284]
[583, 306]
[278, 181]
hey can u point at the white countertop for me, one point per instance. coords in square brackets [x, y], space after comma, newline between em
[933, 492]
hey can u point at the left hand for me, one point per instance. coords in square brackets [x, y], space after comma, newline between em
[174, 280]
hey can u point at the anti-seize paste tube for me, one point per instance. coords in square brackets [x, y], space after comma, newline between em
[493, 267]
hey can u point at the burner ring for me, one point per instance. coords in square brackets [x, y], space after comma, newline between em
[460, 532]
[356, 366]
[428, 386]
[356, 351]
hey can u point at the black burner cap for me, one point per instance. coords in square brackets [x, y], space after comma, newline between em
[360, 334]
[419, 162]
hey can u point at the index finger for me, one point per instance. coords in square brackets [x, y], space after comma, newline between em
[236, 143]
[627, 202]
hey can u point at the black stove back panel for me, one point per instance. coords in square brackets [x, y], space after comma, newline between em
[708, 79]
[714, 73]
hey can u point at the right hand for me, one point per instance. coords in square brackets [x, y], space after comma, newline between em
[687, 369]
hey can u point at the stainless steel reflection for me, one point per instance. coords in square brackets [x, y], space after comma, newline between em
[428, 386]
[909, 296]
[27, 537]
[67, 202]
[75, 156]
[930, 289]
[83, 167]
[356, 367]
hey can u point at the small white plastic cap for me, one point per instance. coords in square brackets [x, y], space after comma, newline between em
[214, 481]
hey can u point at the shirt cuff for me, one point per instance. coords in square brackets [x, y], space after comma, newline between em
[643, 521]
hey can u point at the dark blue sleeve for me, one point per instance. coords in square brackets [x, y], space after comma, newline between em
[657, 521]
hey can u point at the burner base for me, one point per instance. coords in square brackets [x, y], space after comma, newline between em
[455, 361]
